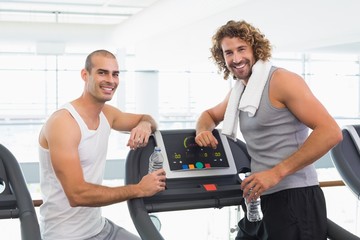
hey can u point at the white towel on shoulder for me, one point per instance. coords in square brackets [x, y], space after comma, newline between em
[231, 118]
[245, 100]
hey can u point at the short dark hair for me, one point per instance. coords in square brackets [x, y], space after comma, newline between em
[102, 52]
[246, 32]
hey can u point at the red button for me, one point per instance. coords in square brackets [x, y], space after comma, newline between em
[210, 187]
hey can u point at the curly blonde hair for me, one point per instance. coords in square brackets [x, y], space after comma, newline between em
[246, 32]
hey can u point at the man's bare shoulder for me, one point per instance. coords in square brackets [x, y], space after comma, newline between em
[283, 78]
[59, 116]
[280, 73]
[112, 113]
[60, 125]
[61, 121]
[284, 86]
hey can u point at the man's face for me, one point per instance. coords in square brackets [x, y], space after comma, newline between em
[238, 56]
[103, 79]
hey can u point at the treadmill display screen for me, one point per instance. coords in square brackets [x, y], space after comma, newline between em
[184, 154]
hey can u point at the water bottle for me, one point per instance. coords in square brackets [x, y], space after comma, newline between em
[156, 160]
[254, 213]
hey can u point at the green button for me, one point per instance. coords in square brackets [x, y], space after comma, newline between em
[199, 165]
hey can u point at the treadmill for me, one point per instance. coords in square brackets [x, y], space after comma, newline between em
[15, 198]
[196, 178]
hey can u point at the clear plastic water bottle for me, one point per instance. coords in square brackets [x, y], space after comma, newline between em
[254, 213]
[156, 160]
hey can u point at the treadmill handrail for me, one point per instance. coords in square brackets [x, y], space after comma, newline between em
[26, 212]
[136, 206]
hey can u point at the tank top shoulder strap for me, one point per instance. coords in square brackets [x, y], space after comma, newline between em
[69, 107]
[266, 88]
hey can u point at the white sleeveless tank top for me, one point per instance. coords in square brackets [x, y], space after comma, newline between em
[58, 220]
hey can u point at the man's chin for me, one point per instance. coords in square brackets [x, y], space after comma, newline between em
[243, 76]
[105, 99]
[240, 77]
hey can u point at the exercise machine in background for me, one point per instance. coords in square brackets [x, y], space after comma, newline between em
[15, 199]
[196, 178]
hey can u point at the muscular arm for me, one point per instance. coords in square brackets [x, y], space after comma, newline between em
[289, 90]
[207, 121]
[325, 133]
[140, 126]
[61, 136]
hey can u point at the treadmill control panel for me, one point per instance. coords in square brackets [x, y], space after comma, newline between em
[184, 158]
[185, 154]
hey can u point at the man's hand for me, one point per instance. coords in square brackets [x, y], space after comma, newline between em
[206, 139]
[139, 135]
[153, 183]
[257, 183]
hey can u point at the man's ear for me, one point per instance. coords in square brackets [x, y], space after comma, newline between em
[84, 74]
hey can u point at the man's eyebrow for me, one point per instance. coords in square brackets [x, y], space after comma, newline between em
[102, 70]
[107, 71]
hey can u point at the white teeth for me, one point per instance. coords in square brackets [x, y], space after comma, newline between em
[240, 66]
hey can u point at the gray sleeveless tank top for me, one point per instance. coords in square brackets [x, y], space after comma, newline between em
[271, 136]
